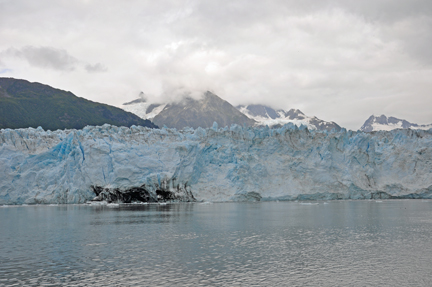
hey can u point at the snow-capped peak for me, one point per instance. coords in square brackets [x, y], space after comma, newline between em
[384, 123]
[265, 115]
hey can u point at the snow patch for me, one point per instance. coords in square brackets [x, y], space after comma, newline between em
[140, 109]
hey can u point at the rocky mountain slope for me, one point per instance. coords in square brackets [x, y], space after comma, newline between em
[201, 113]
[24, 104]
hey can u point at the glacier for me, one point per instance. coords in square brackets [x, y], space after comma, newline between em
[216, 164]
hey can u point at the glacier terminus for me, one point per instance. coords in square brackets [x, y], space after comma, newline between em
[119, 164]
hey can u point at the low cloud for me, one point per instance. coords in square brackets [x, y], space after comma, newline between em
[45, 57]
[96, 68]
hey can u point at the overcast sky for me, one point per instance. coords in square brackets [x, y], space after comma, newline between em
[339, 60]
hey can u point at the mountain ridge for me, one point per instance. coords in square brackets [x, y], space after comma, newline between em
[24, 104]
[382, 122]
[257, 115]
[265, 115]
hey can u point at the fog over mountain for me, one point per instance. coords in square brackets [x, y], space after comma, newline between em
[337, 60]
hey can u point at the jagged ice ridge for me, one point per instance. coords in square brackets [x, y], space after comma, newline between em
[216, 164]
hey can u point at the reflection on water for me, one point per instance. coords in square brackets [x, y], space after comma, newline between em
[339, 243]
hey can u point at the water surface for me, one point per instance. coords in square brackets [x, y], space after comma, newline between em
[339, 243]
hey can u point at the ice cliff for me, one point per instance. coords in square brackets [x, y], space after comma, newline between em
[137, 163]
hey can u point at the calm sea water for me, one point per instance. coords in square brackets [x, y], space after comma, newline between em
[339, 243]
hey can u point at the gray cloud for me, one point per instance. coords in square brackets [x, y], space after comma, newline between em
[414, 36]
[45, 57]
[387, 11]
[96, 68]
[340, 60]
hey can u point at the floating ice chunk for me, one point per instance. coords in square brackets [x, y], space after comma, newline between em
[98, 203]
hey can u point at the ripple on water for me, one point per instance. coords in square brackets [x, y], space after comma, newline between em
[228, 244]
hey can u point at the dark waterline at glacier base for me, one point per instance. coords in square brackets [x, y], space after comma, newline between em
[183, 194]
[336, 243]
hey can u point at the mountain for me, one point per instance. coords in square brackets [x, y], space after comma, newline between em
[383, 123]
[201, 113]
[24, 104]
[211, 108]
[190, 112]
[264, 115]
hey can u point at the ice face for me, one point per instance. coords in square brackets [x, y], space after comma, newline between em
[215, 164]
